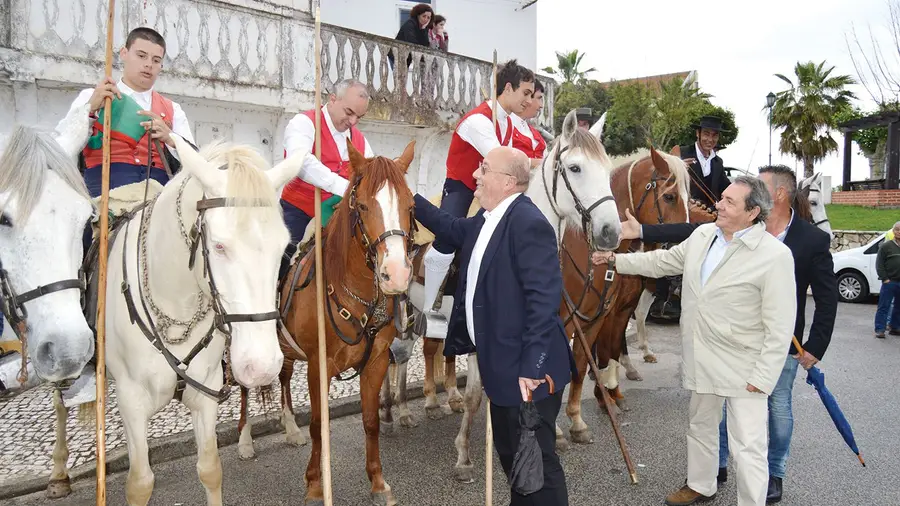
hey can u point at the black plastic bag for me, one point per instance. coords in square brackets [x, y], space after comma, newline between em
[527, 475]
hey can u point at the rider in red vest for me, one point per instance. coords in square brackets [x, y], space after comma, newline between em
[527, 138]
[142, 57]
[473, 138]
[345, 107]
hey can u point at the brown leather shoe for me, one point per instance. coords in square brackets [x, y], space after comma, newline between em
[686, 496]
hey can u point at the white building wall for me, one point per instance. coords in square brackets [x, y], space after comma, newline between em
[476, 27]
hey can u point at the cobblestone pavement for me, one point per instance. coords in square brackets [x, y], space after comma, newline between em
[27, 422]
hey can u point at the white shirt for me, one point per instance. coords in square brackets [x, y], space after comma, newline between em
[479, 131]
[491, 219]
[703, 161]
[300, 135]
[180, 124]
[525, 129]
[783, 234]
[717, 252]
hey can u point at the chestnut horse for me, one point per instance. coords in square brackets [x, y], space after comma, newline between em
[366, 271]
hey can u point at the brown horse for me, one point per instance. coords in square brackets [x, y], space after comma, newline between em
[366, 271]
[654, 187]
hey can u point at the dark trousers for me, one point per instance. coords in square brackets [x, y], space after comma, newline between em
[505, 422]
[296, 221]
[456, 200]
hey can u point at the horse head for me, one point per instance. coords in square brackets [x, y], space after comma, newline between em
[658, 186]
[241, 235]
[45, 209]
[574, 183]
[811, 188]
[378, 212]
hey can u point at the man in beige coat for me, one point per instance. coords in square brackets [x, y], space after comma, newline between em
[738, 309]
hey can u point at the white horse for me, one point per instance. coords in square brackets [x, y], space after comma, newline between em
[45, 209]
[810, 187]
[581, 169]
[202, 292]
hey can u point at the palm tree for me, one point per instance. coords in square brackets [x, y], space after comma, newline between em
[567, 67]
[806, 111]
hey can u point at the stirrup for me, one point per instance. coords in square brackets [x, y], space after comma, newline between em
[436, 325]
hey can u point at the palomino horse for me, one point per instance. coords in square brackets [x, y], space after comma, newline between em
[572, 189]
[367, 264]
[181, 310]
[45, 208]
[654, 187]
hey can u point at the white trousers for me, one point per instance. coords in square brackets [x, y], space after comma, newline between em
[748, 442]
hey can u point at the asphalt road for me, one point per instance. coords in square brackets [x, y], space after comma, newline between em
[860, 370]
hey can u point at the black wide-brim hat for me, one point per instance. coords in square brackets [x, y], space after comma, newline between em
[710, 123]
[585, 114]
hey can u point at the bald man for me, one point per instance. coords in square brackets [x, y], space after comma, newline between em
[506, 305]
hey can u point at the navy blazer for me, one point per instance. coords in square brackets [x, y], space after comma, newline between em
[813, 267]
[518, 330]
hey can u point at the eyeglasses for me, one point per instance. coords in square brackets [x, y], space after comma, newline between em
[485, 170]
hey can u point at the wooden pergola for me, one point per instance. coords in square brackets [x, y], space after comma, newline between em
[892, 151]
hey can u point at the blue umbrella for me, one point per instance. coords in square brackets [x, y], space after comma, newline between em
[816, 378]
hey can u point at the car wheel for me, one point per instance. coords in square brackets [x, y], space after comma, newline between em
[852, 287]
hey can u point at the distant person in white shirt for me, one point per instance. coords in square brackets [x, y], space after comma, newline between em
[142, 59]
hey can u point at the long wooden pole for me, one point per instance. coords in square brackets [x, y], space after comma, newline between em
[101, 290]
[607, 400]
[489, 430]
[320, 288]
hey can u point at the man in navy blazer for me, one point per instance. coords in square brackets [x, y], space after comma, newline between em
[507, 306]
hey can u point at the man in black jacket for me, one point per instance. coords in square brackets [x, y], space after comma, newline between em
[813, 267]
[708, 178]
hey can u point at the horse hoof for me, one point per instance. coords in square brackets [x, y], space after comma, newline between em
[408, 421]
[434, 412]
[620, 403]
[385, 498]
[582, 437]
[634, 375]
[650, 358]
[57, 489]
[457, 404]
[387, 428]
[464, 474]
[246, 452]
[296, 439]
[562, 444]
[446, 409]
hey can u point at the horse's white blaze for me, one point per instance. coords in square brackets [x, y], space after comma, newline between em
[395, 270]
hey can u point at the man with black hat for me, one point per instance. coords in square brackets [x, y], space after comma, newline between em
[708, 179]
[585, 117]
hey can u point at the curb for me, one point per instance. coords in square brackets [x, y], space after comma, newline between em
[183, 445]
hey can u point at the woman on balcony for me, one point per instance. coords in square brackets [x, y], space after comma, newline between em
[415, 29]
[437, 34]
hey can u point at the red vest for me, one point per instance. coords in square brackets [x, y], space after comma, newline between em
[463, 158]
[122, 149]
[524, 144]
[301, 194]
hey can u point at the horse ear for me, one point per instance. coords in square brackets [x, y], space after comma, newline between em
[662, 166]
[406, 158]
[191, 161]
[676, 151]
[357, 159]
[286, 170]
[597, 128]
[569, 124]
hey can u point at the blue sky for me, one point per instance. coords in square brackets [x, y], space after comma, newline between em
[735, 46]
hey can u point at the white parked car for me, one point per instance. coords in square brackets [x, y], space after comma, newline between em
[855, 270]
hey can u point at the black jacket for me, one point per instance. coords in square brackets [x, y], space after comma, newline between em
[813, 267]
[719, 181]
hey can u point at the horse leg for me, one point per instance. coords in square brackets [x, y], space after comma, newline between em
[245, 441]
[135, 409]
[292, 432]
[403, 413]
[640, 316]
[562, 444]
[59, 485]
[454, 398]
[370, 382]
[384, 414]
[204, 412]
[313, 477]
[429, 352]
[630, 371]
[463, 470]
[579, 430]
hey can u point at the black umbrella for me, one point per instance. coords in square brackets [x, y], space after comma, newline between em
[527, 475]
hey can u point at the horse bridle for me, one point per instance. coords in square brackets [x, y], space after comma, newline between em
[810, 189]
[584, 212]
[356, 222]
[651, 185]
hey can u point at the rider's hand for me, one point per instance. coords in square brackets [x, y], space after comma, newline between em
[106, 88]
[157, 127]
[631, 229]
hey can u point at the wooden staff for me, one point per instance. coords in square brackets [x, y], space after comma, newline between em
[101, 289]
[320, 288]
[489, 431]
[607, 400]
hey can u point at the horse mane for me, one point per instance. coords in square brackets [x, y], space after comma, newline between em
[246, 180]
[589, 145]
[801, 206]
[339, 236]
[29, 153]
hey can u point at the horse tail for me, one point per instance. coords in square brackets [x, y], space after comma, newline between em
[264, 396]
[87, 413]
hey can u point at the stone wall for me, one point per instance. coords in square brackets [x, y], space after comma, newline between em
[880, 199]
[849, 239]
